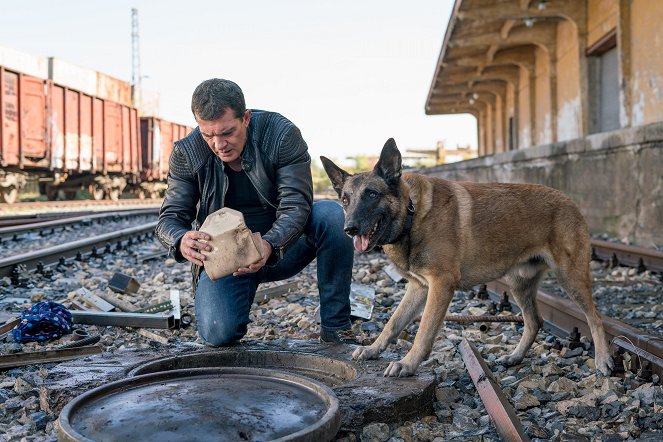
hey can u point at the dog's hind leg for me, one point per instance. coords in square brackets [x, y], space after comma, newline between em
[523, 290]
[411, 305]
[574, 276]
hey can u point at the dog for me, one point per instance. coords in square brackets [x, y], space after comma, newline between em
[445, 236]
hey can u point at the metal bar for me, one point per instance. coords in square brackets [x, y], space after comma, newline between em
[470, 318]
[51, 255]
[156, 308]
[123, 319]
[499, 409]
[44, 357]
[629, 255]
[273, 292]
[177, 308]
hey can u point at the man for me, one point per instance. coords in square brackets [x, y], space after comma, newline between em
[255, 162]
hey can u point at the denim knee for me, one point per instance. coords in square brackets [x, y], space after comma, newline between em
[218, 333]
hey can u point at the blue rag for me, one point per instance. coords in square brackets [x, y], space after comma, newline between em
[44, 320]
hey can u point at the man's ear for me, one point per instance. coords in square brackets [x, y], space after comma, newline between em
[389, 165]
[335, 174]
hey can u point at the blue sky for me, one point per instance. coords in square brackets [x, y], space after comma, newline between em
[350, 74]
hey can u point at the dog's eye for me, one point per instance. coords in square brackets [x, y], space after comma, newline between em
[372, 194]
[344, 200]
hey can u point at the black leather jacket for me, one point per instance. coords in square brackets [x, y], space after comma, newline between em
[276, 160]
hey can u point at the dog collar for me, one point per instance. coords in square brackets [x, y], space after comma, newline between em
[408, 222]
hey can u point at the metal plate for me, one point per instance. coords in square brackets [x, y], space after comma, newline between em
[220, 404]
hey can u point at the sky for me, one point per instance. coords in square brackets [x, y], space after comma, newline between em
[349, 73]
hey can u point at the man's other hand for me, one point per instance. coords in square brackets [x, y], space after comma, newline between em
[193, 242]
[266, 253]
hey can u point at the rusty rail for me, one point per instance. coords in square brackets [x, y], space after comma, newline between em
[632, 256]
[502, 414]
[561, 315]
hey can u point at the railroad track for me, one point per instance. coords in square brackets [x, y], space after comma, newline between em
[44, 226]
[43, 259]
[633, 256]
[43, 207]
[565, 320]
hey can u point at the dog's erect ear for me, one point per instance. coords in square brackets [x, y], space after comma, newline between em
[335, 173]
[389, 164]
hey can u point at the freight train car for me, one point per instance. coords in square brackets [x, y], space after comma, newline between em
[64, 128]
[157, 137]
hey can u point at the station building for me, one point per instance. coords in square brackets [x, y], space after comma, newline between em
[566, 93]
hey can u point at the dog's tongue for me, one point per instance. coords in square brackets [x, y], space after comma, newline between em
[360, 242]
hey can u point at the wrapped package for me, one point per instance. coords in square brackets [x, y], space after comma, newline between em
[233, 244]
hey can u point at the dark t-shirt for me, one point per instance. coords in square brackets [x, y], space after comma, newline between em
[243, 197]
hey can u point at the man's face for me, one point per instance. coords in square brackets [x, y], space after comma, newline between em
[226, 135]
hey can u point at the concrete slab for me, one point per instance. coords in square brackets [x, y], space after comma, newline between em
[364, 394]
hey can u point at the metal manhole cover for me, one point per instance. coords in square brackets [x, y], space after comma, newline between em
[220, 404]
[329, 371]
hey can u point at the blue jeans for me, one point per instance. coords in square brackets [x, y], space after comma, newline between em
[222, 306]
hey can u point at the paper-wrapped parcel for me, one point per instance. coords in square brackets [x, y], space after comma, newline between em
[233, 244]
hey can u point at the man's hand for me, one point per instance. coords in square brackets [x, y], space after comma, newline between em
[266, 252]
[192, 244]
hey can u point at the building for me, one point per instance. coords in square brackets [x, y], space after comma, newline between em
[566, 93]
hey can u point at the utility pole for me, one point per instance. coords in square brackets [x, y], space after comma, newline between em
[135, 60]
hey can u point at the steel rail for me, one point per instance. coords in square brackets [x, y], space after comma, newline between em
[632, 256]
[52, 255]
[561, 315]
[501, 412]
[6, 232]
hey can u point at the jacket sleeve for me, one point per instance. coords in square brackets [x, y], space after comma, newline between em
[295, 192]
[178, 210]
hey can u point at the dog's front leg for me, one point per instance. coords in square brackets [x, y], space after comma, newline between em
[410, 306]
[439, 295]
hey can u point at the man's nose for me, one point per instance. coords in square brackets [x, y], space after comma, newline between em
[219, 143]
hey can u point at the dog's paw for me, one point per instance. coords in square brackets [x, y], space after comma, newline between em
[362, 353]
[605, 364]
[399, 370]
[509, 360]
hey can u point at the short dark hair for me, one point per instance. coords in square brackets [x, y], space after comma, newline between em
[212, 97]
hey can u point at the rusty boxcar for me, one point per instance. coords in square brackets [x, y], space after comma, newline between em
[157, 137]
[70, 128]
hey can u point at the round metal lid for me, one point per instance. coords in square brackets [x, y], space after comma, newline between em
[220, 404]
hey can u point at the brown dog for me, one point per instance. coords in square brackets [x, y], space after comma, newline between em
[446, 235]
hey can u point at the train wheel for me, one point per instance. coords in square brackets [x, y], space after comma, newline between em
[9, 195]
[114, 194]
[96, 192]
